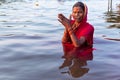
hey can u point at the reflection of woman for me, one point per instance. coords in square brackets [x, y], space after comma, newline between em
[76, 59]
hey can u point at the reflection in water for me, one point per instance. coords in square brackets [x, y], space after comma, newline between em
[114, 17]
[117, 25]
[76, 60]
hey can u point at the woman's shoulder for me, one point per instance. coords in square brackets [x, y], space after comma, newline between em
[90, 26]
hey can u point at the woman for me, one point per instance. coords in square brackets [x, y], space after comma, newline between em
[78, 32]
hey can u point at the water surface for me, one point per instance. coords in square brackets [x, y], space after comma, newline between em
[30, 41]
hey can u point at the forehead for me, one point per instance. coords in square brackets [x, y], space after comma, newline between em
[77, 9]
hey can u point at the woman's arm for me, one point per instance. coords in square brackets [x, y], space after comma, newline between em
[69, 32]
[77, 42]
[65, 37]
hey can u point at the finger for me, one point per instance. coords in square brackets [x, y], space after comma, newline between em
[60, 20]
[60, 15]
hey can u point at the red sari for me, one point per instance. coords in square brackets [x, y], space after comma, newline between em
[86, 30]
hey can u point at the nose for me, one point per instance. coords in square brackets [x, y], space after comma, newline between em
[76, 14]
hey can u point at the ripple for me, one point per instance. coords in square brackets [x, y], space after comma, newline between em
[30, 41]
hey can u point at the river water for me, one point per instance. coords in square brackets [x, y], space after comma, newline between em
[30, 40]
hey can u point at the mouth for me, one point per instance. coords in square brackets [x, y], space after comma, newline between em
[78, 18]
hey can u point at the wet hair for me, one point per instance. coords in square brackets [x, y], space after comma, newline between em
[79, 4]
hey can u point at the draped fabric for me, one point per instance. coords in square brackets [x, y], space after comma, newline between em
[84, 29]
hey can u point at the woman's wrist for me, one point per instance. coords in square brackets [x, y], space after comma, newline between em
[70, 30]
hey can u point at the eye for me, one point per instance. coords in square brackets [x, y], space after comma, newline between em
[80, 11]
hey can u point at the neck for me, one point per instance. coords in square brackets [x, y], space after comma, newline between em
[77, 22]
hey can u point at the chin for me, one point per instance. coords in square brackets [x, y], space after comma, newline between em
[78, 20]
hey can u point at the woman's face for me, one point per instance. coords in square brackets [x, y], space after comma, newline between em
[77, 13]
